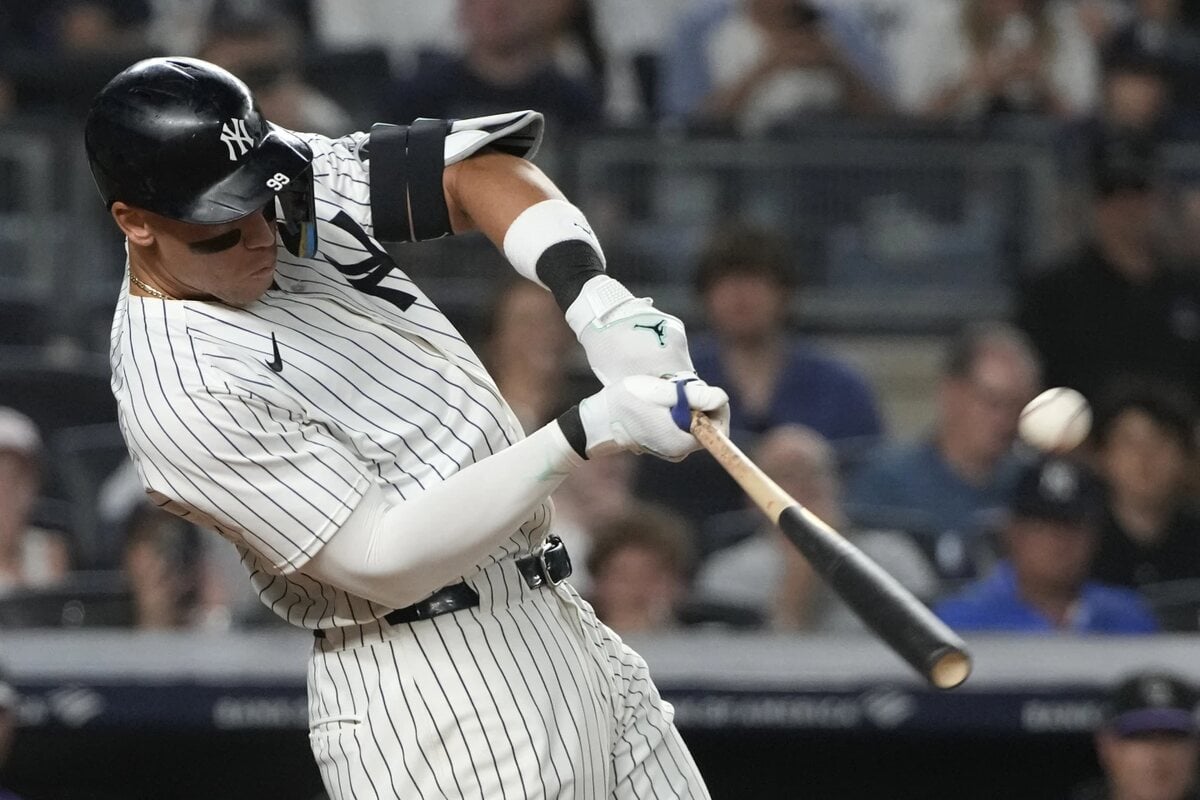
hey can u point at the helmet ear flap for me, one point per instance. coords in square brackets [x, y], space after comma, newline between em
[298, 205]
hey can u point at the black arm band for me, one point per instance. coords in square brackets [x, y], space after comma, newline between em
[570, 423]
[408, 201]
[566, 266]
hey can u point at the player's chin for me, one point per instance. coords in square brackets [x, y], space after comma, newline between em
[254, 287]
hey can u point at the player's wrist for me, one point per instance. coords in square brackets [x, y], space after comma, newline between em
[570, 427]
[552, 244]
[598, 299]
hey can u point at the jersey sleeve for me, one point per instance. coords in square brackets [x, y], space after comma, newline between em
[255, 472]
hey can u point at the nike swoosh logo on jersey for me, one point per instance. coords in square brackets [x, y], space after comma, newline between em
[276, 364]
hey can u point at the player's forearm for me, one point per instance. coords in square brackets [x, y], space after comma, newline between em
[488, 191]
[398, 553]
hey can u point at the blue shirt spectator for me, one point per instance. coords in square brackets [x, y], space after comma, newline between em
[811, 389]
[995, 604]
[946, 488]
[744, 283]
[1043, 586]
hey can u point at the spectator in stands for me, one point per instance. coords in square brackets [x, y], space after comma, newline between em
[1042, 584]
[86, 26]
[57, 54]
[749, 64]
[641, 565]
[1167, 30]
[30, 556]
[161, 564]
[943, 487]
[1115, 307]
[975, 58]
[528, 351]
[8, 727]
[766, 574]
[1145, 439]
[1149, 741]
[259, 42]
[596, 493]
[773, 378]
[1138, 100]
[508, 63]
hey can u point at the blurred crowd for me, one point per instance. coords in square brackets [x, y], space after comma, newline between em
[994, 536]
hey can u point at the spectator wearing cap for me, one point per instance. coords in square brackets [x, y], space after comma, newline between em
[1116, 307]
[1148, 743]
[8, 727]
[1145, 442]
[29, 556]
[1042, 584]
[774, 378]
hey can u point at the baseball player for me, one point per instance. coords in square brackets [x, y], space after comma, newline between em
[281, 380]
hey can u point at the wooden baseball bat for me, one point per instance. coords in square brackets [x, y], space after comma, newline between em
[899, 618]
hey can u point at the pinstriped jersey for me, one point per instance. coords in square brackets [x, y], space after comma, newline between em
[269, 422]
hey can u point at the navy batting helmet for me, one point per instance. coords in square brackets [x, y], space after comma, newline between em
[184, 139]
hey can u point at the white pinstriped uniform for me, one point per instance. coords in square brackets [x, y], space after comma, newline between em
[526, 696]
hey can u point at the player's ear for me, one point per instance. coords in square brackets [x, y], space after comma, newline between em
[133, 222]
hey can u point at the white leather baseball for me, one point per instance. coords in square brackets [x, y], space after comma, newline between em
[1057, 420]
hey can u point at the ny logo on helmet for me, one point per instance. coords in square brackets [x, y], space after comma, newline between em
[234, 132]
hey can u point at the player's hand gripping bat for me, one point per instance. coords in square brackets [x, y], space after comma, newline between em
[878, 599]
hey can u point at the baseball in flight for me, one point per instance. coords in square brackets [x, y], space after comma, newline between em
[1057, 420]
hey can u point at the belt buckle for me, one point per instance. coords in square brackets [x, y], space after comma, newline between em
[543, 568]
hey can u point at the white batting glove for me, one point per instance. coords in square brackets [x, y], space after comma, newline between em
[644, 414]
[624, 335]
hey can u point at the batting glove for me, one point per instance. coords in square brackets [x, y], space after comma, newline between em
[644, 414]
[624, 335]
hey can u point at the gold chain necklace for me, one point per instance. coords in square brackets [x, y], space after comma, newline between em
[147, 288]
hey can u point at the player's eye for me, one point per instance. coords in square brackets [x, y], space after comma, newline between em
[216, 244]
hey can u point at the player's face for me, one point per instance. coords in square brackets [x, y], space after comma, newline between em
[1149, 767]
[233, 262]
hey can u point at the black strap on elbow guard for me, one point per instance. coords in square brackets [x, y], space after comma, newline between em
[408, 202]
[566, 266]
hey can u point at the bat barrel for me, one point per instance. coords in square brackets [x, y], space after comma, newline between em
[879, 600]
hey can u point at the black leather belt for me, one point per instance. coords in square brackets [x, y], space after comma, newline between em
[549, 566]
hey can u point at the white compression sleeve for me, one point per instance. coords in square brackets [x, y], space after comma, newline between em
[541, 226]
[397, 554]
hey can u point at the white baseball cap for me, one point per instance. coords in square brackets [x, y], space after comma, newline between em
[19, 433]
